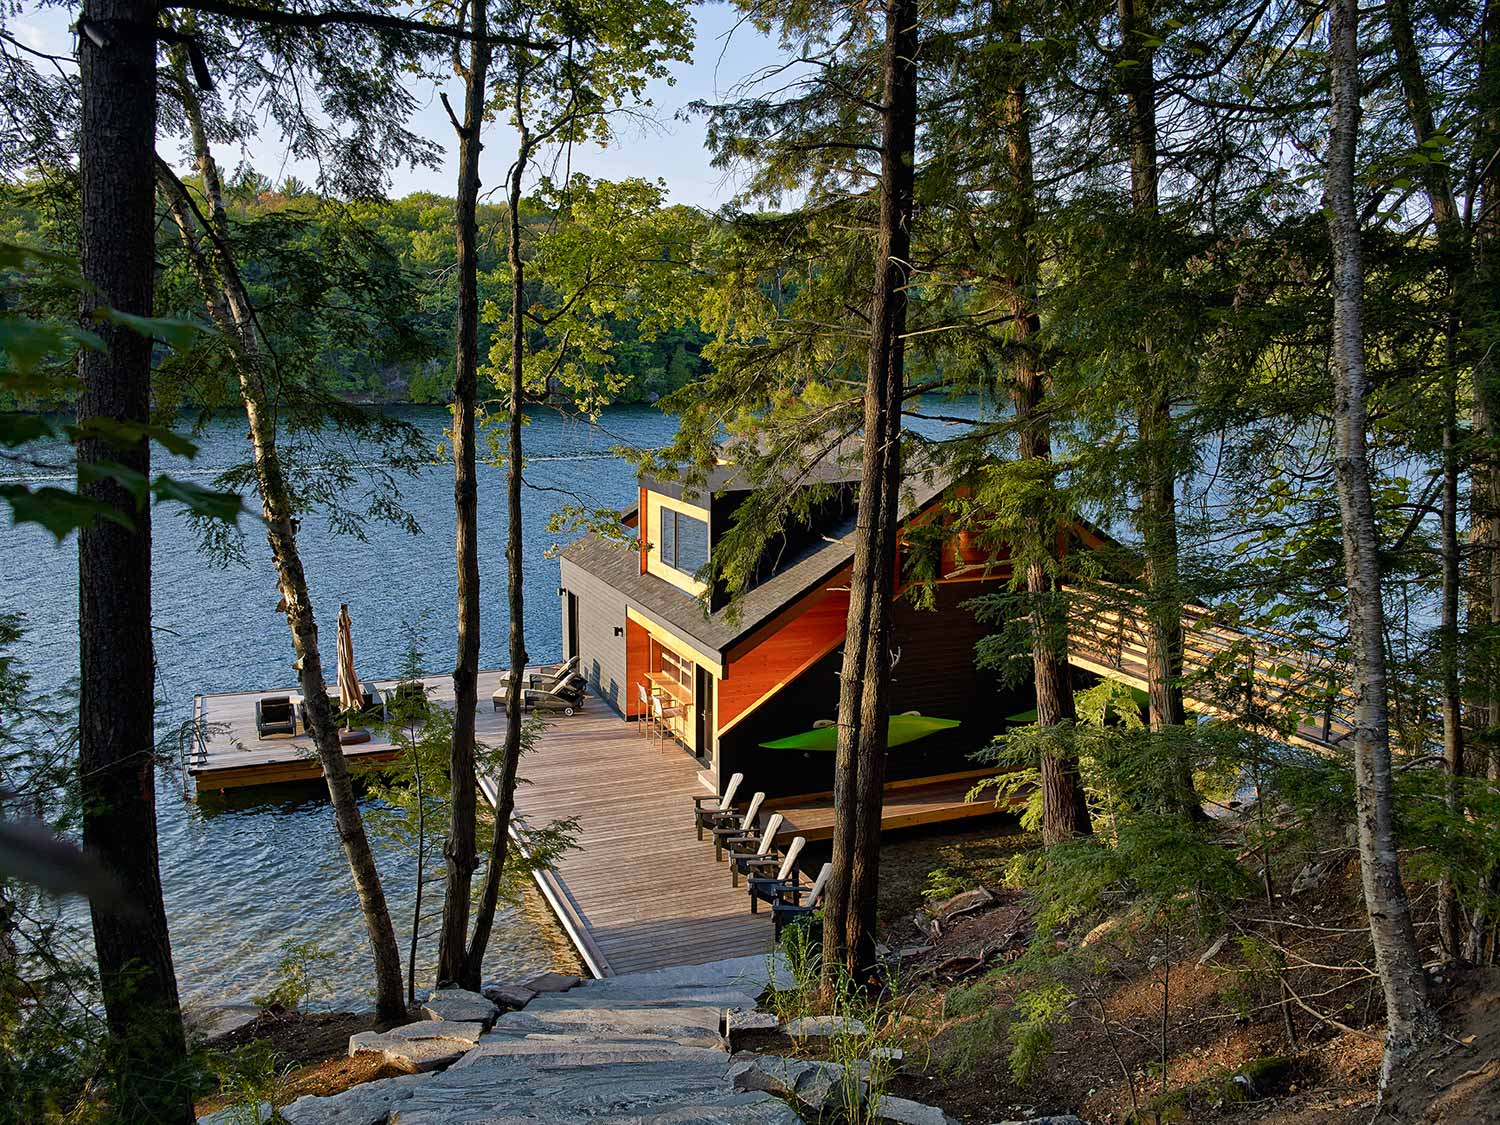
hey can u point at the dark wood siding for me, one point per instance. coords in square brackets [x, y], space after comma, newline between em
[936, 675]
[601, 610]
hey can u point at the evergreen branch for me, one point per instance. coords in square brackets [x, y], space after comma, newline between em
[374, 21]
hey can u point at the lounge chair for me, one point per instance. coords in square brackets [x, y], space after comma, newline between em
[274, 715]
[740, 831]
[744, 861]
[566, 697]
[545, 678]
[551, 676]
[722, 806]
[769, 888]
[797, 906]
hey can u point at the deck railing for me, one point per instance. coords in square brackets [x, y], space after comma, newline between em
[1248, 673]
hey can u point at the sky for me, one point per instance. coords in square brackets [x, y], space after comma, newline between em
[667, 147]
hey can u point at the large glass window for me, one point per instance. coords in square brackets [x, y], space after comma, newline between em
[684, 541]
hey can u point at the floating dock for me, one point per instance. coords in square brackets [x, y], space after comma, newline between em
[223, 750]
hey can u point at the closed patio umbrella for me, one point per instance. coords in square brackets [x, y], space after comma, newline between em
[351, 693]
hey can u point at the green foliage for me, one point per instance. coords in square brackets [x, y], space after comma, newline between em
[52, 1042]
[1038, 1012]
[246, 1076]
[301, 975]
[38, 355]
[943, 884]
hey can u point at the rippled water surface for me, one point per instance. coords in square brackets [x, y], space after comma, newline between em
[244, 874]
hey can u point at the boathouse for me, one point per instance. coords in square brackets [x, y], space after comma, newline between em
[750, 685]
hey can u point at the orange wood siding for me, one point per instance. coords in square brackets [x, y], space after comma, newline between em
[645, 531]
[817, 628]
[637, 660]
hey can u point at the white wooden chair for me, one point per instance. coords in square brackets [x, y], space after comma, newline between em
[765, 888]
[743, 830]
[787, 911]
[743, 861]
[721, 808]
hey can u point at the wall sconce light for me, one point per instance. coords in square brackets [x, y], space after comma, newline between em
[561, 590]
[619, 630]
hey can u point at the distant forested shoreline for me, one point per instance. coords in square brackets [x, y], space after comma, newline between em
[407, 357]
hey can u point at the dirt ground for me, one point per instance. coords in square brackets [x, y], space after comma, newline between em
[1227, 1055]
[311, 1051]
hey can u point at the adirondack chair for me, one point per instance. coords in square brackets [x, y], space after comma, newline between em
[743, 861]
[768, 888]
[721, 808]
[741, 830]
[799, 906]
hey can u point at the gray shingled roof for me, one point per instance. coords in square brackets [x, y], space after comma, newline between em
[619, 566]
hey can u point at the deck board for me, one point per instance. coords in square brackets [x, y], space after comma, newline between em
[649, 893]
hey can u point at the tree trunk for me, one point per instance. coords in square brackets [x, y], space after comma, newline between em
[461, 848]
[1484, 602]
[117, 666]
[510, 762]
[1409, 1017]
[1438, 185]
[1064, 809]
[1157, 517]
[225, 295]
[864, 698]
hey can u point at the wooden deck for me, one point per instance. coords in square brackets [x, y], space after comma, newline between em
[640, 891]
[224, 750]
[908, 804]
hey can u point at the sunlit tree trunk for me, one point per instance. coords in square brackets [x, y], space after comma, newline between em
[460, 850]
[226, 297]
[1409, 1017]
[510, 762]
[864, 697]
[149, 1080]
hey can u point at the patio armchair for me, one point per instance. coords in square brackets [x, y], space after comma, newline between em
[721, 807]
[769, 888]
[744, 829]
[742, 860]
[797, 906]
[274, 715]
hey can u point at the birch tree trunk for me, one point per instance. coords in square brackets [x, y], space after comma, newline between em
[864, 698]
[1064, 810]
[227, 298]
[116, 658]
[1409, 1017]
[460, 850]
[510, 762]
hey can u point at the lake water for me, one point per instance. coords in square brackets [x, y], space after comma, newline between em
[244, 874]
